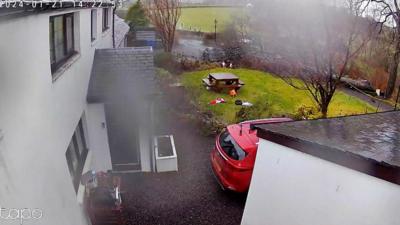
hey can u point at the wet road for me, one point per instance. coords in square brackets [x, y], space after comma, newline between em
[191, 46]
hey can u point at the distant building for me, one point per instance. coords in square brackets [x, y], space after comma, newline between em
[330, 171]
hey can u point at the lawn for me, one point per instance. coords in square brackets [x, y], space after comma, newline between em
[272, 93]
[202, 18]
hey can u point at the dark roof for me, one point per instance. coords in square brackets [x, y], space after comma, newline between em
[122, 73]
[121, 29]
[367, 143]
[224, 76]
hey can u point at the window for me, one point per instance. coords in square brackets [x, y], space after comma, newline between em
[230, 147]
[76, 155]
[93, 29]
[105, 19]
[61, 40]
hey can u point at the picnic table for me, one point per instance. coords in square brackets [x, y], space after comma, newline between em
[223, 81]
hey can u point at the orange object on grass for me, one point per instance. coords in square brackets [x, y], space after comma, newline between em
[233, 93]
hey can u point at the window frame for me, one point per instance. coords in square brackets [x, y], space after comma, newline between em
[93, 24]
[67, 54]
[80, 155]
[106, 19]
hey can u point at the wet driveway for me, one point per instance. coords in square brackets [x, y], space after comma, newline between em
[190, 196]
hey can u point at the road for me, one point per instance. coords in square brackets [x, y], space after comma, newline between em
[382, 106]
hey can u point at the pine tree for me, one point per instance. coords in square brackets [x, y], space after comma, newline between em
[136, 15]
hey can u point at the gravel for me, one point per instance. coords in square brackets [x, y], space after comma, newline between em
[190, 196]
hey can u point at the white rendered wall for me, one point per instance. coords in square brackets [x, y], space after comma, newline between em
[38, 117]
[145, 148]
[292, 188]
[98, 138]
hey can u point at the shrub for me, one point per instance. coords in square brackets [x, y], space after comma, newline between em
[254, 112]
[209, 124]
[307, 112]
[208, 66]
[208, 37]
[234, 53]
[271, 66]
[189, 64]
[166, 61]
[162, 59]
[255, 63]
[163, 74]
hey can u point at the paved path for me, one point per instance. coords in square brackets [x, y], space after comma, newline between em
[190, 196]
[383, 106]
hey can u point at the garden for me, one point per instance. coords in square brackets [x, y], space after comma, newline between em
[270, 96]
[267, 95]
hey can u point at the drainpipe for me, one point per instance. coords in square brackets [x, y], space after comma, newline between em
[113, 26]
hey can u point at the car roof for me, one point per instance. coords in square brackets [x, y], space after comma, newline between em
[246, 136]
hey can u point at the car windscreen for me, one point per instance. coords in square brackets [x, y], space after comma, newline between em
[230, 147]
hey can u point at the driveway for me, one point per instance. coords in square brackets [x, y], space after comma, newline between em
[190, 196]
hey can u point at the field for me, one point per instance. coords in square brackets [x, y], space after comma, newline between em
[274, 95]
[202, 18]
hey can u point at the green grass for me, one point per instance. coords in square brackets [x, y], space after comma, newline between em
[202, 18]
[263, 88]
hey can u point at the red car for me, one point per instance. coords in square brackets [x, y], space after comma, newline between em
[235, 152]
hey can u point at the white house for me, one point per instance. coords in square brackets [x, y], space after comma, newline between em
[334, 171]
[49, 133]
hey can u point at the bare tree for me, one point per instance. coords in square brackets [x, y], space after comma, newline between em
[387, 15]
[164, 15]
[320, 42]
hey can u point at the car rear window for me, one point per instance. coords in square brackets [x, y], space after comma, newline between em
[230, 147]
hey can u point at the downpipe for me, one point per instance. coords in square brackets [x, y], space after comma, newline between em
[113, 26]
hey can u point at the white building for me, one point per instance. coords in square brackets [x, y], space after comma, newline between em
[335, 171]
[49, 134]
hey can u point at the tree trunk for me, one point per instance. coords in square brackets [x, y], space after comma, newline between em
[324, 110]
[168, 42]
[325, 100]
[393, 69]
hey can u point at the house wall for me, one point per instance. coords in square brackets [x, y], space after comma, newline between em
[38, 116]
[290, 187]
[97, 130]
[145, 148]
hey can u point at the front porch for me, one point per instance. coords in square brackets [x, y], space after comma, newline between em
[123, 80]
